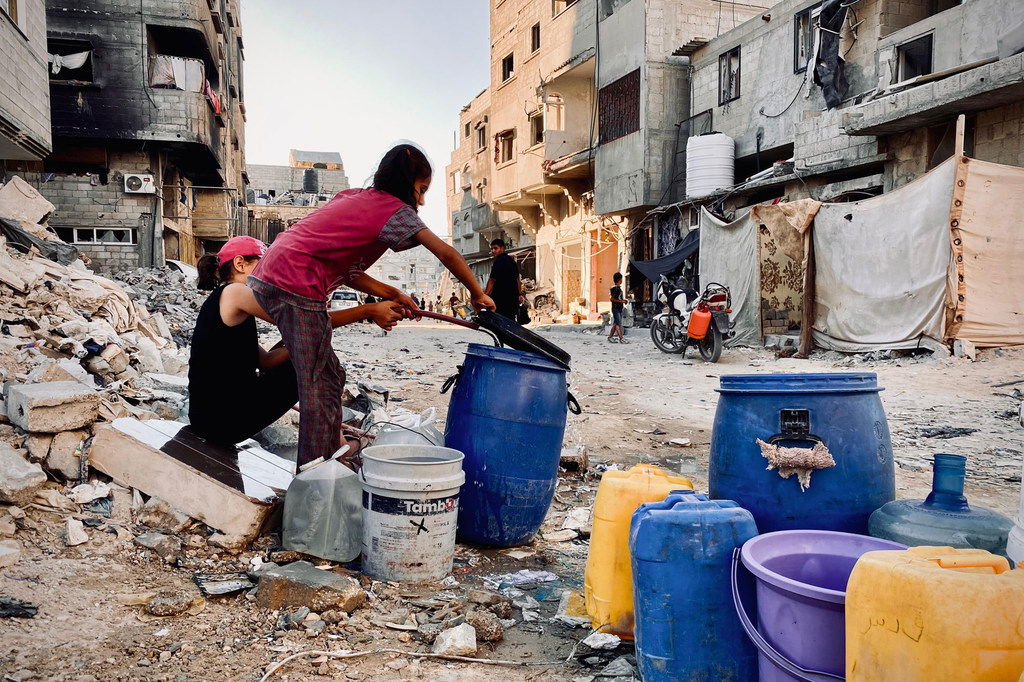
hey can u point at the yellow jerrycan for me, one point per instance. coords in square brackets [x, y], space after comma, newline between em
[608, 578]
[934, 613]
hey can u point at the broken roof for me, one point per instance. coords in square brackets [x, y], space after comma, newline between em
[315, 157]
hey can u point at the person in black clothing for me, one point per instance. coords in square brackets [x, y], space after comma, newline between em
[236, 387]
[617, 304]
[504, 285]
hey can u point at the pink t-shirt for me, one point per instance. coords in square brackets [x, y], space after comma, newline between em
[338, 242]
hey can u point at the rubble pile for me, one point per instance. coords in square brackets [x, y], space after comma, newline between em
[169, 293]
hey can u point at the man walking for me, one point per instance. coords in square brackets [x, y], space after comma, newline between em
[504, 285]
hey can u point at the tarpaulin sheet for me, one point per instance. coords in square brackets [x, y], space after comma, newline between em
[728, 255]
[881, 266]
[654, 269]
[987, 238]
[182, 73]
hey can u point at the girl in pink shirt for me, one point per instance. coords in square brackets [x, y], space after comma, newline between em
[334, 246]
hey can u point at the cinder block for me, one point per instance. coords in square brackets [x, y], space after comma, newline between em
[53, 406]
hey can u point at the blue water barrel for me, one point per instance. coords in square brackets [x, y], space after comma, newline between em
[686, 627]
[843, 411]
[507, 415]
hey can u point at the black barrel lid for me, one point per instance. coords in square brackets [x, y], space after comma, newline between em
[516, 336]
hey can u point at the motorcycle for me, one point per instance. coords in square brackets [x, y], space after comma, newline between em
[701, 321]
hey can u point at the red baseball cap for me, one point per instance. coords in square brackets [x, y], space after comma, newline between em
[240, 246]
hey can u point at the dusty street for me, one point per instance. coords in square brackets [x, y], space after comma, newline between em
[83, 631]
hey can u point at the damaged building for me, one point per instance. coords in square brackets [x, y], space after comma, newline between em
[25, 109]
[573, 141]
[148, 122]
[279, 196]
[824, 104]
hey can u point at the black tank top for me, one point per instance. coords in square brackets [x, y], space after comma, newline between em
[223, 361]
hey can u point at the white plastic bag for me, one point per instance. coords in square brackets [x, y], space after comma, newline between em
[408, 428]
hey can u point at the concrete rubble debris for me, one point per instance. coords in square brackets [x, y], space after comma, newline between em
[487, 625]
[459, 641]
[10, 553]
[19, 478]
[602, 641]
[65, 454]
[301, 584]
[169, 603]
[74, 533]
[167, 547]
[52, 406]
[159, 514]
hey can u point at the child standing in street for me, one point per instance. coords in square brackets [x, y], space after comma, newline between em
[334, 246]
[617, 302]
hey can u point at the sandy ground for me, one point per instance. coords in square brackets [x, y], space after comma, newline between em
[83, 633]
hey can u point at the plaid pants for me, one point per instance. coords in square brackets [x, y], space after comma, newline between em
[306, 330]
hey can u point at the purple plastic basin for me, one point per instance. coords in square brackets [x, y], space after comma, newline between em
[801, 594]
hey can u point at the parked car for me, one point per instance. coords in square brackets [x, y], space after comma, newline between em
[343, 298]
[190, 272]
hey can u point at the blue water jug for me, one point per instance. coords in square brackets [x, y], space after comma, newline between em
[842, 411]
[686, 627]
[944, 518]
[507, 415]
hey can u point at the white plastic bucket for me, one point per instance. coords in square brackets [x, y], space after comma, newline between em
[410, 510]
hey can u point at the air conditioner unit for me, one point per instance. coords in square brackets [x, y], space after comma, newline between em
[139, 183]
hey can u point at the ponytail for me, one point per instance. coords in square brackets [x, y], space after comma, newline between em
[399, 170]
[209, 275]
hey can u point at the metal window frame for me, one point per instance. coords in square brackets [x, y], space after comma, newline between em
[724, 58]
[811, 13]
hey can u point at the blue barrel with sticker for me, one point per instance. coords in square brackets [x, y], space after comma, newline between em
[835, 413]
[507, 414]
[686, 626]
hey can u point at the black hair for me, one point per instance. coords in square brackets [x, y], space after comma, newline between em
[399, 170]
[211, 275]
[498, 242]
[617, 277]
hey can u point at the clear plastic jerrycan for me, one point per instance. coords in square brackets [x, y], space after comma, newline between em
[608, 578]
[944, 518]
[323, 513]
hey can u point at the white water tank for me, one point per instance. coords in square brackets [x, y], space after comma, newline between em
[710, 164]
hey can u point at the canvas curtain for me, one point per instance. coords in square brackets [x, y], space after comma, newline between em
[728, 255]
[987, 239]
[881, 266]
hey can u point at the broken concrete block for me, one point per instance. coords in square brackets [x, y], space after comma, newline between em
[962, 348]
[159, 514]
[167, 547]
[169, 603]
[64, 457]
[302, 584]
[488, 627]
[19, 478]
[232, 544]
[74, 533]
[574, 459]
[233, 490]
[50, 371]
[38, 445]
[485, 598]
[459, 641]
[10, 553]
[169, 382]
[7, 526]
[116, 358]
[22, 202]
[53, 406]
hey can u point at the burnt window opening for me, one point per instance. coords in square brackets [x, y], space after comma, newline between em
[70, 61]
[618, 110]
[729, 76]
[804, 25]
[508, 68]
[506, 146]
[915, 58]
[172, 41]
[537, 128]
[535, 37]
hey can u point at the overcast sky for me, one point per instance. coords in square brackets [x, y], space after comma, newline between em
[356, 76]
